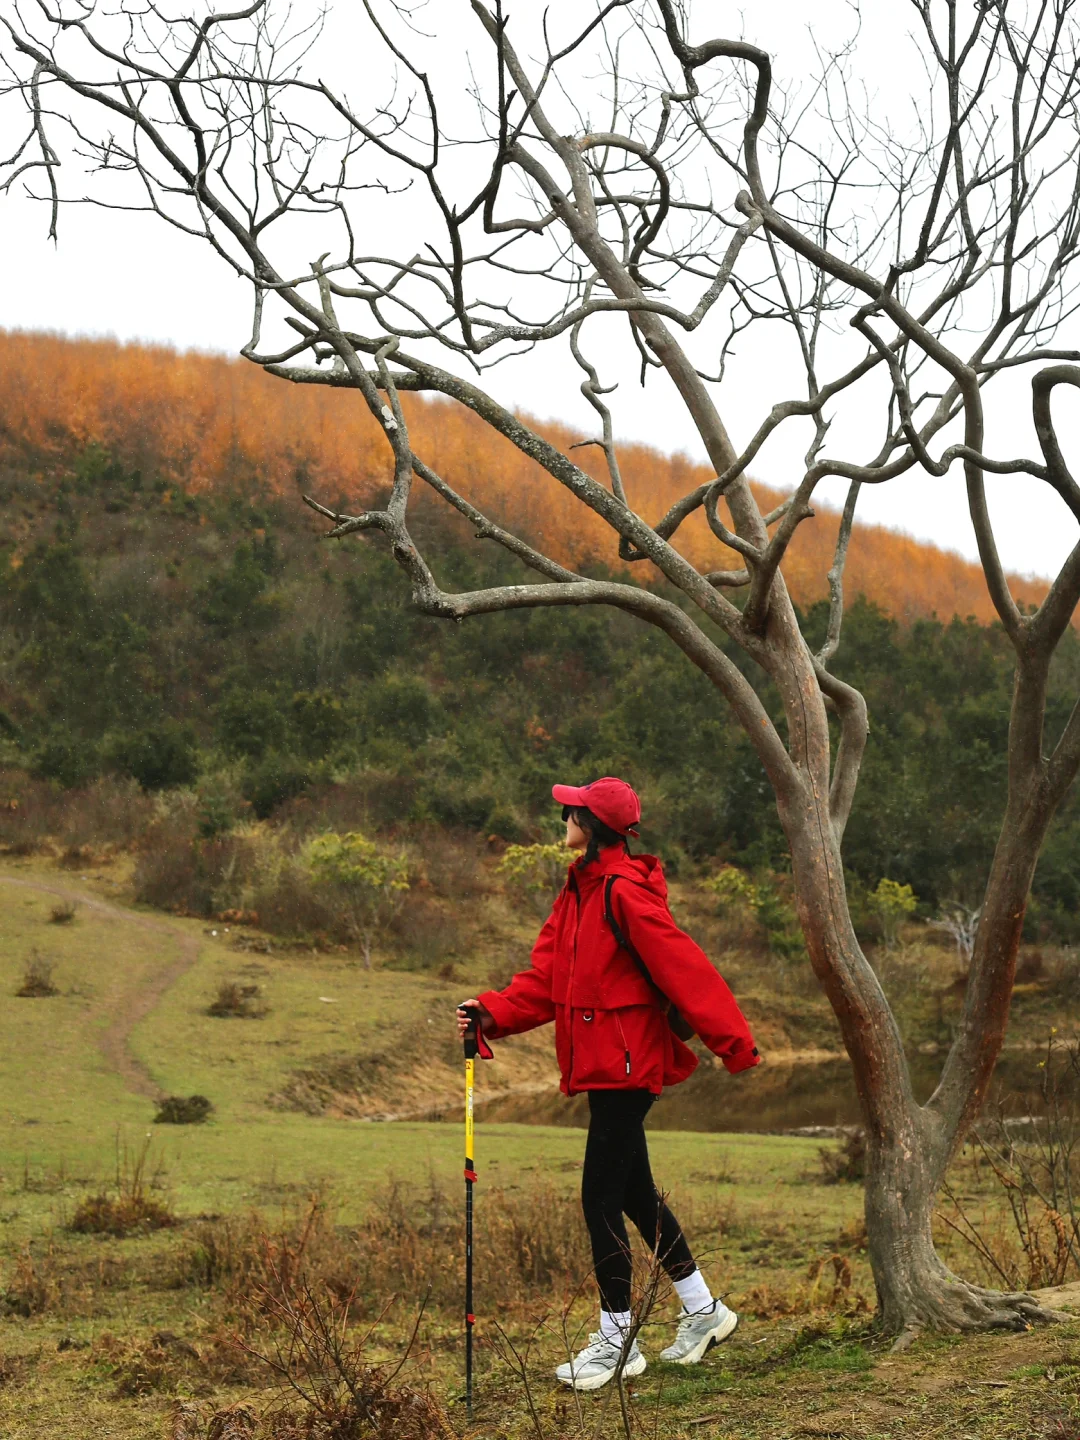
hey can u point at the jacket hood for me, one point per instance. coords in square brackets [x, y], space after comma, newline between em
[643, 870]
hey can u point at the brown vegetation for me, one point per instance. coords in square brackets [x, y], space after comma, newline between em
[199, 420]
[236, 1000]
[37, 982]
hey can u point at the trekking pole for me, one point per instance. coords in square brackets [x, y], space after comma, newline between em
[472, 1049]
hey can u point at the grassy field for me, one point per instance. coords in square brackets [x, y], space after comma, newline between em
[105, 1336]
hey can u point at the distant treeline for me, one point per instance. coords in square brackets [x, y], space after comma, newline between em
[214, 641]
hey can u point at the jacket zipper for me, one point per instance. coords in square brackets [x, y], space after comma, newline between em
[570, 982]
[622, 1035]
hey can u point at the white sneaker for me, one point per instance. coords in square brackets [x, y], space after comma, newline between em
[700, 1332]
[598, 1363]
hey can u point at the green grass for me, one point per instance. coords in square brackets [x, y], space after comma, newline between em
[752, 1203]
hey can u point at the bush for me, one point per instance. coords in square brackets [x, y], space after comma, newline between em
[536, 873]
[273, 780]
[37, 982]
[67, 759]
[371, 883]
[892, 903]
[846, 1162]
[161, 758]
[131, 1209]
[764, 900]
[251, 722]
[62, 914]
[238, 1001]
[183, 1110]
[120, 1215]
[178, 871]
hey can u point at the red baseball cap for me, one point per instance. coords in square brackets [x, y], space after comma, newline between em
[610, 800]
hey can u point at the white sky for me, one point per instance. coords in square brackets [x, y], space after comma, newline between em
[129, 276]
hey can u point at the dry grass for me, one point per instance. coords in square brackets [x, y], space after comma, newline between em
[529, 1248]
[167, 1363]
[130, 1209]
[827, 1288]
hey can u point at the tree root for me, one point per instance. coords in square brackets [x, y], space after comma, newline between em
[953, 1305]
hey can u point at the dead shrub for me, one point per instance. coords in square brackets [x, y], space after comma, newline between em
[179, 870]
[372, 800]
[166, 1362]
[77, 857]
[237, 1001]
[846, 1162]
[34, 1285]
[29, 811]
[828, 1287]
[130, 1209]
[111, 812]
[35, 815]
[62, 914]
[292, 906]
[120, 1215]
[452, 861]
[37, 981]
[326, 1389]
[1026, 1231]
[183, 1110]
[408, 1244]
[425, 934]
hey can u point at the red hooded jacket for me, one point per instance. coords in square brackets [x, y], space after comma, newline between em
[611, 1032]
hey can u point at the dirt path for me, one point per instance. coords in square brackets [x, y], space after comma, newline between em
[114, 1037]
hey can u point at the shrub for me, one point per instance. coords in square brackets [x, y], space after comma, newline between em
[371, 882]
[536, 873]
[37, 981]
[846, 1161]
[160, 758]
[183, 1110]
[235, 1000]
[62, 914]
[251, 722]
[67, 759]
[120, 1215]
[176, 870]
[763, 899]
[893, 903]
[272, 780]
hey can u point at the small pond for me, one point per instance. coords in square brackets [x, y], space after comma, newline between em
[768, 1098]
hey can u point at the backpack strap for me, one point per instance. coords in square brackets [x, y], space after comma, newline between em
[621, 938]
[682, 1027]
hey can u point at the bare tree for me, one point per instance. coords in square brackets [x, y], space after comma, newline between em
[904, 271]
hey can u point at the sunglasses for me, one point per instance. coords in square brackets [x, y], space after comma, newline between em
[567, 811]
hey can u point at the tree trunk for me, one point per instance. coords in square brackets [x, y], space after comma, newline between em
[908, 1145]
[915, 1289]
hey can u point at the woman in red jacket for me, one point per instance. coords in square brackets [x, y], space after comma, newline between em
[604, 967]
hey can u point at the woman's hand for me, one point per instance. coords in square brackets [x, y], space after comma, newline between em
[469, 1010]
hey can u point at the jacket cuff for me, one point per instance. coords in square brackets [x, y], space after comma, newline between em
[500, 1011]
[743, 1060]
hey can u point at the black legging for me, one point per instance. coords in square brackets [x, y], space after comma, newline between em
[617, 1180]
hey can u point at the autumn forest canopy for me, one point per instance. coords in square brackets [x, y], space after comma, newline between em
[170, 614]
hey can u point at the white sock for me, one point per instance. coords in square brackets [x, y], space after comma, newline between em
[614, 1324]
[694, 1293]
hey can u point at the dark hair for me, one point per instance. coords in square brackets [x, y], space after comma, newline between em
[600, 835]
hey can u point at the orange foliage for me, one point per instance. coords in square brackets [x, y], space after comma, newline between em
[202, 420]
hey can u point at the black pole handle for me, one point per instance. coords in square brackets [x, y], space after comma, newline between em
[470, 1038]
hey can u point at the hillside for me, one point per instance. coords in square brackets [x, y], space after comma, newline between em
[201, 421]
